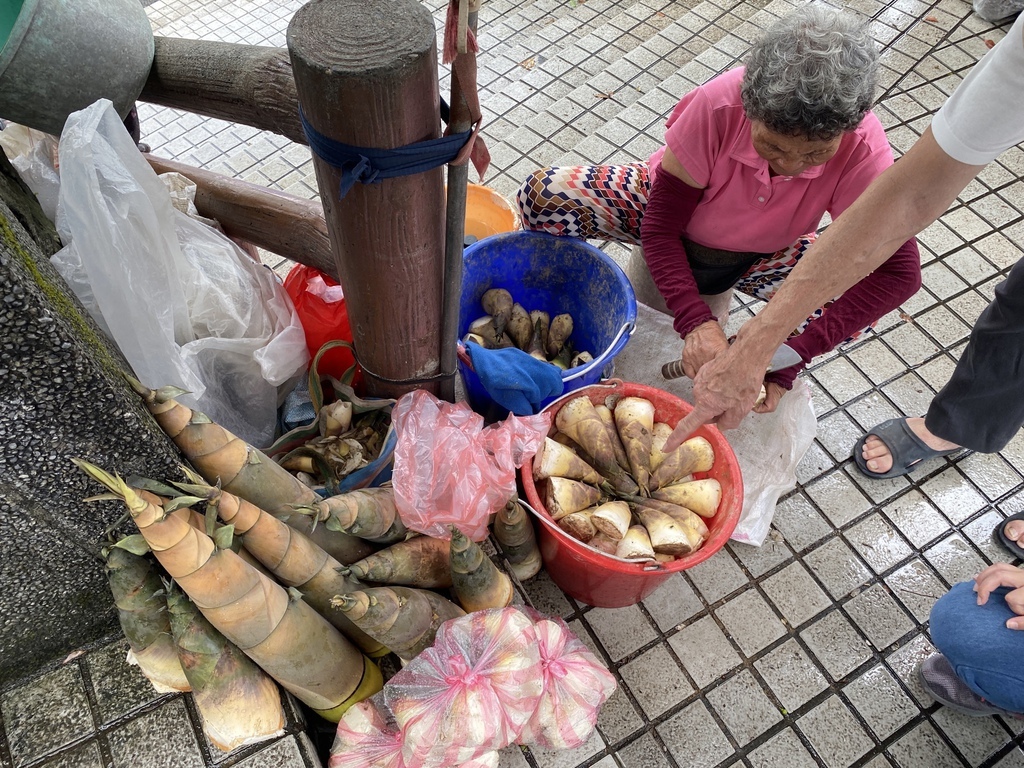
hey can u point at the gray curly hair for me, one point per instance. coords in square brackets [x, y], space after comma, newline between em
[811, 74]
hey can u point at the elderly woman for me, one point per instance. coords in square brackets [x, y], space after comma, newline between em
[752, 161]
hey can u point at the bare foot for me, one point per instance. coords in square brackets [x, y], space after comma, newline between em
[1014, 530]
[877, 455]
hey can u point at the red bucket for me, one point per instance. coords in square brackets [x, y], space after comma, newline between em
[596, 579]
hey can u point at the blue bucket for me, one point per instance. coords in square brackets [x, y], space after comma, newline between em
[555, 275]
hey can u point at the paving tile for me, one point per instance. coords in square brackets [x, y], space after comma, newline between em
[917, 518]
[977, 738]
[954, 559]
[834, 733]
[799, 522]
[758, 560]
[120, 687]
[131, 744]
[620, 630]
[917, 587]
[546, 597]
[86, 755]
[618, 717]
[46, 713]
[782, 749]
[991, 473]
[982, 533]
[673, 603]
[904, 663]
[568, 758]
[743, 707]
[878, 698]
[795, 593]
[1014, 759]
[878, 616]
[284, 753]
[704, 650]
[656, 681]
[791, 675]
[838, 498]
[923, 748]
[645, 752]
[878, 543]
[837, 567]
[953, 495]
[836, 644]
[750, 622]
[694, 738]
[717, 577]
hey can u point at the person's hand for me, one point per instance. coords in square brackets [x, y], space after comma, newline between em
[773, 394]
[723, 393]
[702, 344]
[1003, 575]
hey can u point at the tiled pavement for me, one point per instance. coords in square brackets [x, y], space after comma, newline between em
[797, 653]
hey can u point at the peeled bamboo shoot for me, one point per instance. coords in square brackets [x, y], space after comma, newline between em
[476, 581]
[579, 420]
[556, 460]
[668, 536]
[634, 418]
[608, 419]
[635, 545]
[695, 455]
[701, 496]
[563, 497]
[612, 519]
[580, 525]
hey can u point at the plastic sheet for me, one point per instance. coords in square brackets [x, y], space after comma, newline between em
[470, 693]
[367, 737]
[451, 470]
[183, 303]
[998, 10]
[576, 684]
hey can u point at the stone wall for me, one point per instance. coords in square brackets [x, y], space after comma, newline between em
[62, 394]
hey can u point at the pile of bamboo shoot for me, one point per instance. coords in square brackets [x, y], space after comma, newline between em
[606, 482]
[280, 583]
[508, 324]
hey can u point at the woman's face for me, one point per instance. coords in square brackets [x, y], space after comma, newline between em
[790, 155]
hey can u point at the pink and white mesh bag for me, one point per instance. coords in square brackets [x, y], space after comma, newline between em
[367, 737]
[472, 692]
[576, 684]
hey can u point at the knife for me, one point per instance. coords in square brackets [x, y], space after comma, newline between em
[785, 357]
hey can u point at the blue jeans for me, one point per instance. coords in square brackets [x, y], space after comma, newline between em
[986, 655]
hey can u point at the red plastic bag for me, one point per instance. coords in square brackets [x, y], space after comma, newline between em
[470, 693]
[576, 684]
[451, 470]
[320, 304]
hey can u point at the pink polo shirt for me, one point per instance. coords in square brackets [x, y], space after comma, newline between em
[743, 208]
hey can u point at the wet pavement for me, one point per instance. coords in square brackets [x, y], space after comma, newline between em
[798, 653]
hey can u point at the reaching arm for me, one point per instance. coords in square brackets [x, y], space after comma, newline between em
[902, 201]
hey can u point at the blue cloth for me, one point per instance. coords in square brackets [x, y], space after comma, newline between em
[513, 379]
[976, 642]
[369, 165]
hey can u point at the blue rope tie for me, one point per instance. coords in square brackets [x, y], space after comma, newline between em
[369, 166]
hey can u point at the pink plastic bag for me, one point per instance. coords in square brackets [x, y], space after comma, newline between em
[470, 693]
[576, 684]
[367, 737]
[450, 469]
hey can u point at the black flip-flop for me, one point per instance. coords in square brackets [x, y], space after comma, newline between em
[906, 448]
[1014, 546]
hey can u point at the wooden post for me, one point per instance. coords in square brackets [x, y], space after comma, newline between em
[284, 224]
[247, 84]
[366, 74]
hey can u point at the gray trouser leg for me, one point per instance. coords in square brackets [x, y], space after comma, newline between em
[647, 292]
[982, 405]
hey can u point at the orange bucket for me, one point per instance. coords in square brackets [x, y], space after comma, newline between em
[488, 213]
[600, 580]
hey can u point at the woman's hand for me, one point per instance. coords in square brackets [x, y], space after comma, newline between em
[1003, 575]
[701, 345]
[773, 393]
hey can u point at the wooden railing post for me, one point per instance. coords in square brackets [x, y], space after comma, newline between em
[366, 75]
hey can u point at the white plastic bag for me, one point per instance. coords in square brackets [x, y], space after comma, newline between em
[183, 303]
[33, 155]
[997, 10]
